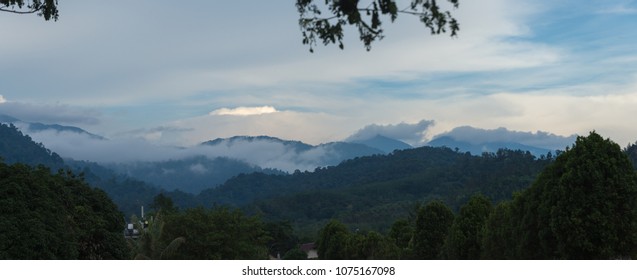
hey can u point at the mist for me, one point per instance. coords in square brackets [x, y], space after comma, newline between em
[263, 153]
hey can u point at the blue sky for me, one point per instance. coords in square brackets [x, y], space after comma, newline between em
[162, 70]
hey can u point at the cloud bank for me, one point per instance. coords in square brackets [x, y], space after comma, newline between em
[413, 134]
[60, 114]
[540, 139]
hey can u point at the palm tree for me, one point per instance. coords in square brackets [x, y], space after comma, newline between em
[149, 245]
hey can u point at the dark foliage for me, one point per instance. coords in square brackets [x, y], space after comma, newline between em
[464, 240]
[46, 216]
[432, 227]
[16, 147]
[215, 234]
[582, 206]
[372, 192]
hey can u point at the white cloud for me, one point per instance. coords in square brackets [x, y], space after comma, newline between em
[2, 99]
[244, 111]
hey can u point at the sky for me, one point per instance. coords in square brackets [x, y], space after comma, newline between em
[183, 73]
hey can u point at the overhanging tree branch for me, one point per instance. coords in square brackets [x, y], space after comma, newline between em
[44, 8]
[367, 20]
[20, 12]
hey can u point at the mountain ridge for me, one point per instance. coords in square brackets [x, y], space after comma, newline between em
[485, 147]
[38, 127]
[383, 143]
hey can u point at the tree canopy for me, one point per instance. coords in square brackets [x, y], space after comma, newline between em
[582, 206]
[464, 240]
[432, 226]
[217, 233]
[56, 216]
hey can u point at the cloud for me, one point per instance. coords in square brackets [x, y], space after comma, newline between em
[49, 114]
[483, 78]
[413, 134]
[198, 168]
[2, 99]
[83, 147]
[195, 51]
[153, 134]
[620, 9]
[540, 139]
[310, 127]
[244, 111]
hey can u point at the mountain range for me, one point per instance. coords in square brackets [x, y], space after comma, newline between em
[485, 147]
[375, 188]
[211, 163]
[298, 153]
[383, 143]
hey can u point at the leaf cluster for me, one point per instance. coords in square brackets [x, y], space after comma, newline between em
[44, 8]
[367, 19]
[56, 216]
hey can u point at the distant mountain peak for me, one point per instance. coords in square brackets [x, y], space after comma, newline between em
[34, 127]
[297, 145]
[384, 143]
[7, 119]
[294, 154]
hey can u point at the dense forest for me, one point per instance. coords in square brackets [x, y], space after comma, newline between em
[369, 193]
[424, 203]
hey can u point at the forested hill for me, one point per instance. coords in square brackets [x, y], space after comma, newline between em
[51, 215]
[17, 147]
[127, 193]
[246, 188]
[371, 192]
